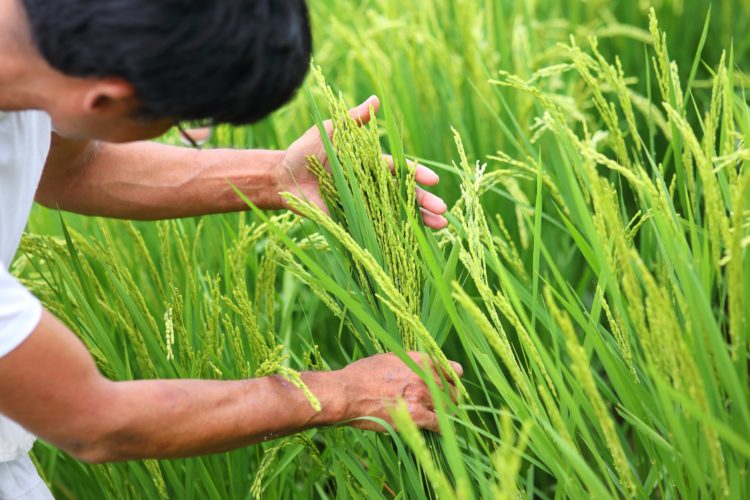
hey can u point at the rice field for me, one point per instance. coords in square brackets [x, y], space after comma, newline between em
[593, 281]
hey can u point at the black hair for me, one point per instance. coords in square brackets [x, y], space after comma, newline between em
[230, 61]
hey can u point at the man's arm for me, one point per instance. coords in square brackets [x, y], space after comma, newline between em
[51, 386]
[150, 181]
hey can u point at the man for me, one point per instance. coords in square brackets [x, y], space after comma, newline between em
[78, 76]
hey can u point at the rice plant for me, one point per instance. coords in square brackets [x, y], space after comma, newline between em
[592, 282]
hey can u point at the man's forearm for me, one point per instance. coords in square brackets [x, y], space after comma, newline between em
[149, 181]
[51, 386]
[171, 419]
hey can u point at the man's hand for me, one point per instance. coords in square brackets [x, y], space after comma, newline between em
[51, 386]
[296, 178]
[372, 387]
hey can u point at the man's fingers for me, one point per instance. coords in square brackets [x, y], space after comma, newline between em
[432, 220]
[449, 377]
[426, 363]
[361, 114]
[426, 177]
[423, 175]
[421, 359]
[433, 206]
[426, 419]
[430, 202]
[328, 126]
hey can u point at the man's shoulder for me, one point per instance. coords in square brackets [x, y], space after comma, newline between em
[25, 118]
[30, 128]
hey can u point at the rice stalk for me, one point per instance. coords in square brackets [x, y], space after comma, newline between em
[409, 433]
[358, 147]
[507, 458]
[395, 301]
[581, 367]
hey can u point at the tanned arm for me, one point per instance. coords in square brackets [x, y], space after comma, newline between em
[151, 181]
[51, 386]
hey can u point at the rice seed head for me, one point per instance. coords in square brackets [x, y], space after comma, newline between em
[582, 370]
[156, 475]
[269, 456]
[507, 458]
[738, 321]
[555, 416]
[499, 343]
[359, 154]
[506, 308]
[389, 294]
[676, 362]
[413, 437]
[169, 333]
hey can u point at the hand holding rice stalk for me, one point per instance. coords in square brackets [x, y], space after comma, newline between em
[372, 235]
[370, 231]
[297, 178]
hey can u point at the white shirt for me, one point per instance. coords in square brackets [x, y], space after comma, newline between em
[24, 145]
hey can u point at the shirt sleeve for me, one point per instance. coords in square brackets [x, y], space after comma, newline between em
[20, 312]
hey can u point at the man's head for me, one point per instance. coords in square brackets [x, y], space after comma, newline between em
[131, 68]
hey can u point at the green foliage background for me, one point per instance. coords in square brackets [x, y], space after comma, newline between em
[589, 406]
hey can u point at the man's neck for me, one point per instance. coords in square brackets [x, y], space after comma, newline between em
[20, 63]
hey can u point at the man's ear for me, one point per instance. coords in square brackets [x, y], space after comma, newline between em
[110, 96]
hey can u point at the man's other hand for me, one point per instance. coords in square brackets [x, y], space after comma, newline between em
[296, 178]
[372, 387]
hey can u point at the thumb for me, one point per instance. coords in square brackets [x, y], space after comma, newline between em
[361, 114]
